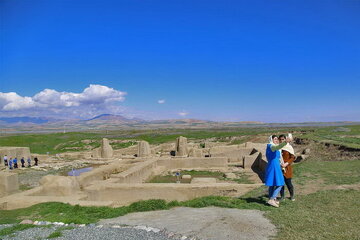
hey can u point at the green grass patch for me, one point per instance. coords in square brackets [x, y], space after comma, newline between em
[15, 228]
[243, 179]
[55, 234]
[350, 138]
[323, 215]
[331, 172]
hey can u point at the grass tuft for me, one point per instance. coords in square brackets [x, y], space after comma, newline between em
[15, 228]
[55, 234]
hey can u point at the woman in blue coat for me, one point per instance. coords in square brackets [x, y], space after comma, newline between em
[273, 174]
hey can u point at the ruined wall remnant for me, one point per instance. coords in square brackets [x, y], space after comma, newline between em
[13, 152]
[181, 147]
[59, 185]
[143, 149]
[9, 183]
[195, 152]
[106, 150]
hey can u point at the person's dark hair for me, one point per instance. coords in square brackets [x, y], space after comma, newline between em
[273, 136]
[282, 136]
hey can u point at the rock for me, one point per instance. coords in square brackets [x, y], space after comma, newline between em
[26, 221]
[143, 149]
[306, 151]
[230, 175]
[181, 147]
[300, 158]
[186, 177]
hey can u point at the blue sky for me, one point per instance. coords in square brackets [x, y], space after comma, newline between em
[271, 61]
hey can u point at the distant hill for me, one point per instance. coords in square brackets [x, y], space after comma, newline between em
[179, 121]
[110, 121]
[110, 118]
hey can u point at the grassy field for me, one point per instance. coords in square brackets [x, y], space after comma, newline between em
[74, 141]
[348, 136]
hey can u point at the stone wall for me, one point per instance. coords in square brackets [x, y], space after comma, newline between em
[101, 173]
[123, 194]
[137, 174]
[178, 163]
[18, 152]
[9, 183]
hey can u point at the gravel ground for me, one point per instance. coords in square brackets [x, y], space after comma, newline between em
[108, 232]
[210, 223]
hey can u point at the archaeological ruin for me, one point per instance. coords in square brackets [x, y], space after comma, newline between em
[121, 176]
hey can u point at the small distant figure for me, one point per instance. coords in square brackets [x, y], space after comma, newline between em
[15, 163]
[22, 162]
[6, 161]
[29, 162]
[36, 160]
[11, 163]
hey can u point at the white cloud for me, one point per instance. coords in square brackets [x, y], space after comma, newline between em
[94, 94]
[95, 99]
[183, 113]
[161, 101]
[12, 101]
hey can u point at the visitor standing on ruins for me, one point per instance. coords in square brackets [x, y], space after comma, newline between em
[29, 162]
[11, 163]
[6, 160]
[22, 162]
[36, 160]
[15, 163]
[288, 155]
[273, 175]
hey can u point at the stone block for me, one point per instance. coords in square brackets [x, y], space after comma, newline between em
[59, 185]
[230, 175]
[186, 177]
[195, 152]
[203, 180]
[251, 160]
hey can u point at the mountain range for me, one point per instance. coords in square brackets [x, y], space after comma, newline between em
[116, 122]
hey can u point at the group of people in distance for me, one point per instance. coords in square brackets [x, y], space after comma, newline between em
[13, 163]
[280, 156]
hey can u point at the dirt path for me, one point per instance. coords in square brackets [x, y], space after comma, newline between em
[210, 223]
